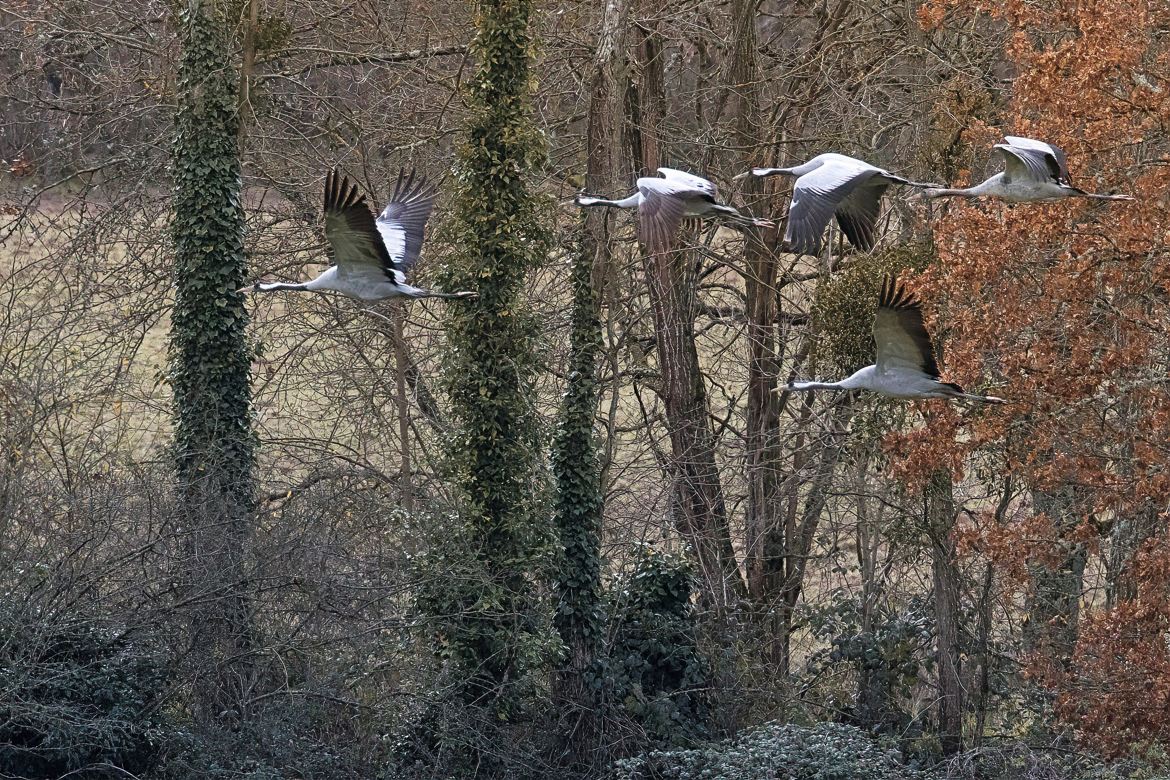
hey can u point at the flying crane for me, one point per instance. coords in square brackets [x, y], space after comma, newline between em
[1033, 171]
[371, 256]
[663, 202]
[906, 366]
[834, 184]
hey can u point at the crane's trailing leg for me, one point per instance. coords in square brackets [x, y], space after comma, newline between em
[466, 294]
[733, 216]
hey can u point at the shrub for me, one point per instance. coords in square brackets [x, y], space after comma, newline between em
[75, 696]
[784, 752]
[276, 743]
[883, 659]
[653, 675]
[1019, 761]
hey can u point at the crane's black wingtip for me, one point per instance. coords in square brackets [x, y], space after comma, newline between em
[340, 192]
[412, 185]
[895, 296]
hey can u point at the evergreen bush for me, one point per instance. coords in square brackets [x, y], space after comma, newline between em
[76, 697]
[653, 673]
[830, 751]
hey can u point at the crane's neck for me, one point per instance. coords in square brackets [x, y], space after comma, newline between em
[727, 212]
[801, 387]
[947, 192]
[764, 172]
[624, 203]
[798, 170]
[271, 286]
[808, 167]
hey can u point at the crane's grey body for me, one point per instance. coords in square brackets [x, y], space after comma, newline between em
[371, 256]
[1034, 172]
[663, 202]
[363, 283]
[892, 382]
[831, 185]
[905, 367]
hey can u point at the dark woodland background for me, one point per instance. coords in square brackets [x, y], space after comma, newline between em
[568, 530]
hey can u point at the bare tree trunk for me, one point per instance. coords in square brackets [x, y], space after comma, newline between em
[401, 361]
[763, 405]
[940, 522]
[799, 530]
[873, 690]
[1054, 603]
[702, 519]
[982, 653]
[248, 65]
[390, 325]
[982, 681]
[779, 526]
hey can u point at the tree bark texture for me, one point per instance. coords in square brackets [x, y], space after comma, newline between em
[764, 509]
[940, 523]
[702, 514]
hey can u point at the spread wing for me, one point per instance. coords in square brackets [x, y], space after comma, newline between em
[899, 333]
[815, 198]
[1057, 154]
[659, 215]
[1028, 163]
[689, 180]
[404, 220]
[351, 234]
[858, 213]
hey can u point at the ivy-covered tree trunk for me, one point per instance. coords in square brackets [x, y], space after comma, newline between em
[490, 623]
[579, 509]
[210, 362]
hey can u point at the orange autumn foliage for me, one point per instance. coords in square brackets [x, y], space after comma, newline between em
[1065, 309]
[1117, 695]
